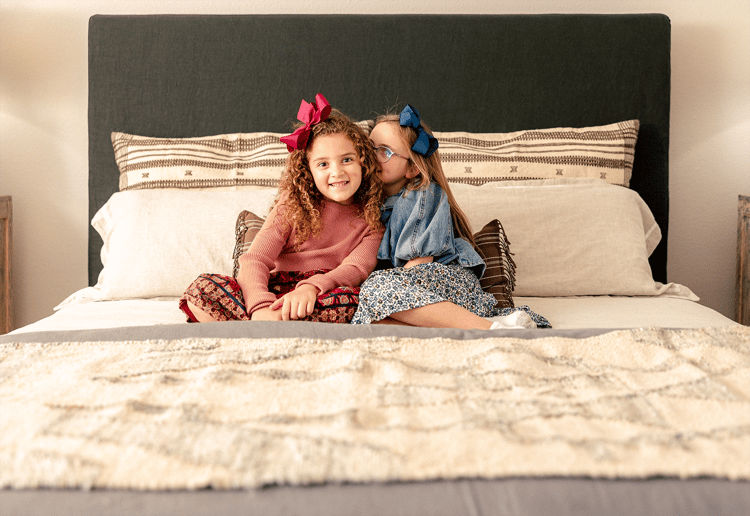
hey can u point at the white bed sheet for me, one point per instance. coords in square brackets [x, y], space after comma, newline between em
[624, 312]
[563, 313]
[110, 314]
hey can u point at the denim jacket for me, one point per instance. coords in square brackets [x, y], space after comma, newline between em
[419, 224]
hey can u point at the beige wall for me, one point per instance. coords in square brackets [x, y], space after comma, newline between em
[43, 139]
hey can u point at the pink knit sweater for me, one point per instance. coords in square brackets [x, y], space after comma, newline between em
[346, 245]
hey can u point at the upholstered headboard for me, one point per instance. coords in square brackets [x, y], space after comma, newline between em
[197, 75]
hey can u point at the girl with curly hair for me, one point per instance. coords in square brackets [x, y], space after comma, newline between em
[320, 240]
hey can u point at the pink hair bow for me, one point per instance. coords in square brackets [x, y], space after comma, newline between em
[310, 113]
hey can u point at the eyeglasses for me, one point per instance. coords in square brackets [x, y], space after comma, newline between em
[384, 154]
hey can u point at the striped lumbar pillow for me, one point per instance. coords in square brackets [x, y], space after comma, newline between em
[225, 160]
[603, 152]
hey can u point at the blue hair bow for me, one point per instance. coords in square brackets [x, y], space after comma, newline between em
[426, 144]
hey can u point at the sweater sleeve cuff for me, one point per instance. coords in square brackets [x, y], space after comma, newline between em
[260, 301]
[319, 281]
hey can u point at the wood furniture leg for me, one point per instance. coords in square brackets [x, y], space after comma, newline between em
[742, 298]
[6, 301]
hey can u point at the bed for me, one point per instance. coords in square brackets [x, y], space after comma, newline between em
[636, 401]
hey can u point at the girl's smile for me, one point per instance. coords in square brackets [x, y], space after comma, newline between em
[335, 167]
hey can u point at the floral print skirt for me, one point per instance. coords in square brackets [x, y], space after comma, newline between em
[394, 290]
[221, 297]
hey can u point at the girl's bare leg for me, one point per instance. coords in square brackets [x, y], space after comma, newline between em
[200, 314]
[442, 315]
[389, 320]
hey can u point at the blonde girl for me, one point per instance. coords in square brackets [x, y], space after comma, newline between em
[434, 269]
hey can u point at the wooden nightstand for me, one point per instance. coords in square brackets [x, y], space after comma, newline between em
[6, 303]
[742, 298]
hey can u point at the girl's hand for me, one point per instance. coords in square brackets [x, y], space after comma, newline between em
[265, 314]
[297, 304]
[418, 261]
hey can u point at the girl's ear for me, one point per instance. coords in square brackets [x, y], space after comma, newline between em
[412, 172]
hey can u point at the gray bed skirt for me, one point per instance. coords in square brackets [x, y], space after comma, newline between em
[507, 497]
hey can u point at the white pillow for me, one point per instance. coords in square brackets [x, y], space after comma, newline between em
[568, 238]
[156, 242]
[572, 239]
[650, 227]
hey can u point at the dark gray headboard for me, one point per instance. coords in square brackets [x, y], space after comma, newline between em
[200, 75]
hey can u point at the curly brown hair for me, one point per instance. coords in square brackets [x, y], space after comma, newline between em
[303, 200]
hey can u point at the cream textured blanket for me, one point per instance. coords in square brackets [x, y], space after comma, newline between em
[234, 413]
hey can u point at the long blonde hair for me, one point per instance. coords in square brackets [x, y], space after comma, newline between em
[431, 169]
